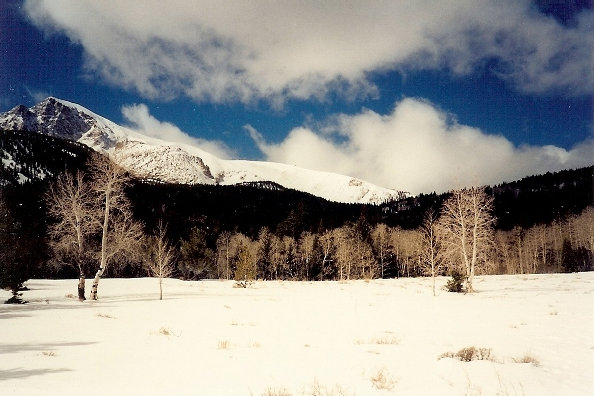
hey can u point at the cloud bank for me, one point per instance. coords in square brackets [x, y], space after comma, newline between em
[143, 122]
[417, 148]
[244, 51]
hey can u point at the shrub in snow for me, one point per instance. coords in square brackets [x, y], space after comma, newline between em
[456, 284]
[383, 380]
[16, 298]
[276, 392]
[469, 354]
[527, 358]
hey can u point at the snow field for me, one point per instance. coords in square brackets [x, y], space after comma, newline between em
[301, 338]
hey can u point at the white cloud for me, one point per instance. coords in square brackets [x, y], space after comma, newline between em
[143, 122]
[417, 148]
[244, 51]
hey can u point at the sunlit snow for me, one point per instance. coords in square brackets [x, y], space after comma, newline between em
[338, 338]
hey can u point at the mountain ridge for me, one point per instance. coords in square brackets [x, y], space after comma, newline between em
[175, 162]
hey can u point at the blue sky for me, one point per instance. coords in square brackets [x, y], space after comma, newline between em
[417, 96]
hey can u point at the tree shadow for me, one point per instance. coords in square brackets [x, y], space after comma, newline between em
[13, 315]
[15, 311]
[19, 373]
[139, 297]
[16, 348]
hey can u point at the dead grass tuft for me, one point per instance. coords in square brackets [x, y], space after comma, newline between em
[223, 344]
[49, 353]
[469, 354]
[318, 389]
[528, 358]
[276, 392]
[386, 339]
[165, 331]
[106, 316]
[383, 380]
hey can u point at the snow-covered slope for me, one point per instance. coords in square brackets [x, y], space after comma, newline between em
[177, 162]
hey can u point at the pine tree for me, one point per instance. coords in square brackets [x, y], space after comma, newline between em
[14, 268]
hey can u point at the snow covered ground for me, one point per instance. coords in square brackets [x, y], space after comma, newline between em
[278, 338]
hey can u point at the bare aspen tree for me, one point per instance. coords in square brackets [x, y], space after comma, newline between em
[224, 255]
[394, 245]
[289, 263]
[119, 231]
[544, 243]
[557, 235]
[381, 242]
[364, 259]
[345, 252]
[326, 241]
[432, 252]
[408, 250]
[306, 250]
[263, 253]
[277, 255]
[283, 254]
[504, 247]
[71, 202]
[584, 225]
[467, 221]
[535, 244]
[161, 261]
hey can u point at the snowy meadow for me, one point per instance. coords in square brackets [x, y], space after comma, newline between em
[517, 335]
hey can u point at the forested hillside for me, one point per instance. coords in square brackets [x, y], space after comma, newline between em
[541, 223]
[28, 156]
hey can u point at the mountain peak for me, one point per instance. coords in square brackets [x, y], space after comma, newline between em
[181, 163]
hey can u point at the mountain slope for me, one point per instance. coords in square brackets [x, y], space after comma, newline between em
[152, 158]
[26, 157]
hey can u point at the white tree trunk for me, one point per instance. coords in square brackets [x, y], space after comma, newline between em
[101, 269]
[160, 288]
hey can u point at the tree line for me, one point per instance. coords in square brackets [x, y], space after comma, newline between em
[96, 220]
[460, 236]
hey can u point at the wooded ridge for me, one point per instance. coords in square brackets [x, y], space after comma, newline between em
[538, 222]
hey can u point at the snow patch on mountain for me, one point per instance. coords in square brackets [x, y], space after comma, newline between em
[174, 162]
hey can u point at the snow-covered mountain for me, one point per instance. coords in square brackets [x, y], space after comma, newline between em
[178, 162]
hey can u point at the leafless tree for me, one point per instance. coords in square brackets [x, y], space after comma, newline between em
[467, 221]
[394, 238]
[584, 225]
[504, 252]
[381, 241]
[433, 250]
[120, 232]
[71, 203]
[326, 241]
[224, 255]
[262, 245]
[364, 259]
[406, 245]
[346, 252]
[306, 250]
[277, 255]
[161, 260]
